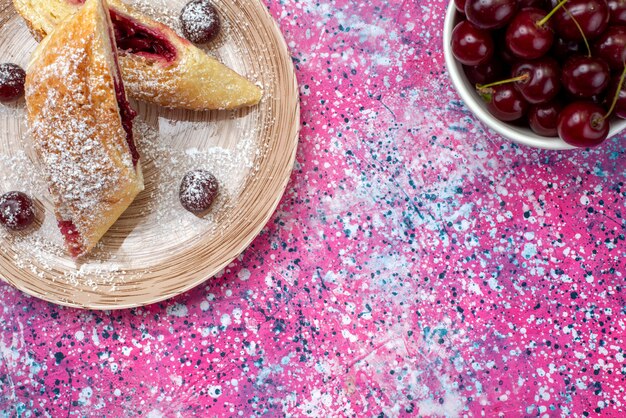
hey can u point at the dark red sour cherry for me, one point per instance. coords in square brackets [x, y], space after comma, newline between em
[582, 124]
[584, 76]
[470, 45]
[12, 79]
[620, 102]
[525, 38]
[592, 17]
[17, 211]
[611, 47]
[543, 118]
[617, 10]
[543, 82]
[200, 21]
[493, 69]
[460, 6]
[490, 14]
[198, 190]
[505, 102]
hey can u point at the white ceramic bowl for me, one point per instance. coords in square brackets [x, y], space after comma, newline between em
[477, 106]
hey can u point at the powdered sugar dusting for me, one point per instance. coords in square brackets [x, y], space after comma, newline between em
[76, 130]
[170, 143]
[163, 223]
[200, 21]
[198, 190]
[160, 11]
[166, 164]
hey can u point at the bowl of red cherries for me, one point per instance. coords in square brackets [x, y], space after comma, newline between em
[544, 73]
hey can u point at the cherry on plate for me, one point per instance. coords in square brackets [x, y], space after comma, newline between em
[617, 12]
[490, 14]
[484, 73]
[17, 211]
[620, 101]
[12, 79]
[198, 190]
[200, 21]
[611, 47]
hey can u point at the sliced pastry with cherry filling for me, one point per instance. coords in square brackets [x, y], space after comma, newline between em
[82, 126]
[158, 66]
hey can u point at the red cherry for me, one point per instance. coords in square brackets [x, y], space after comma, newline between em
[12, 79]
[582, 124]
[470, 45]
[611, 47]
[200, 21]
[543, 118]
[490, 14]
[584, 76]
[198, 190]
[617, 14]
[17, 211]
[592, 17]
[460, 6]
[505, 102]
[484, 73]
[525, 38]
[620, 103]
[543, 82]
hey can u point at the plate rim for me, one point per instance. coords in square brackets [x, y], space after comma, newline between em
[289, 163]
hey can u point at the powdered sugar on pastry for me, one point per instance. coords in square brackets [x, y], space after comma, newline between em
[75, 101]
[171, 142]
[158, 10]
[80, 170]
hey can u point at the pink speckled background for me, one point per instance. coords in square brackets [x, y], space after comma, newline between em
[418, 265]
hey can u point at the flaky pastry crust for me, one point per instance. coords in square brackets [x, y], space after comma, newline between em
[76, 127]
[193, 80]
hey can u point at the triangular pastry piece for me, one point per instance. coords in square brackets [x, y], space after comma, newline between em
[81, 126]
[158, 66]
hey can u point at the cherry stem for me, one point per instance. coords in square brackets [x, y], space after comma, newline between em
[580, 30]
[616, 95]
[549, 15]
[481, 88]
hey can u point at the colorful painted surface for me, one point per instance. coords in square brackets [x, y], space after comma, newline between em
[418, 265]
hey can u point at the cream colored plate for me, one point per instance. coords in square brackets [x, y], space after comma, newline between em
[156, 249]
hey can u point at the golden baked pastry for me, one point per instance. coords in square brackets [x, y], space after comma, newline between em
[158, 66]
[81, 126]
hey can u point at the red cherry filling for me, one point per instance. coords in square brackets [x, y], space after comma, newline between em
[17, 211]
[71, 236]
[134, 37]
[127, 113]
